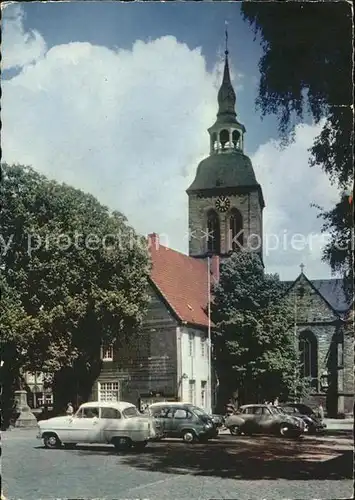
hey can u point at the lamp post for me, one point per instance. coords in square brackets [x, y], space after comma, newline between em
[209, 362]
[295, 346]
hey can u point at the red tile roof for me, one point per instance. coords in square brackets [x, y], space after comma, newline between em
[182, 281]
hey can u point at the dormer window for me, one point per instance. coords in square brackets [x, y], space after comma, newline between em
[107, 353]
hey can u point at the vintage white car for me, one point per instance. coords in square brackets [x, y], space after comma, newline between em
[117, 423]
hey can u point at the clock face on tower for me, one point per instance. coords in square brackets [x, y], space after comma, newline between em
[222, 204]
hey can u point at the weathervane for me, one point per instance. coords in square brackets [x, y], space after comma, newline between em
[226, 32]
[302, 268]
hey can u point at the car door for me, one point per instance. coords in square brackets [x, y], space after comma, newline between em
[181, 418]
[247, 414]
[170, 425]
[267, 420]
[255, 422]
[85, 426]
[111, 422]
[160, 414]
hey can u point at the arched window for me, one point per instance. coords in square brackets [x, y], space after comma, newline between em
[224, 137]
[309, 357]
[235, 230]
[214, 143]
[236, 137]
[214, 233]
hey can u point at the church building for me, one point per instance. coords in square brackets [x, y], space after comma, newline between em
[226, 206]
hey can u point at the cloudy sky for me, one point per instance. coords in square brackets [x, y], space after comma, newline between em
[116, 99]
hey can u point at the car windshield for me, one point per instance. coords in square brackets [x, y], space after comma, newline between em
[305, 410]
[131, 411]
[289, 409]
[273, 410]
[279, 409]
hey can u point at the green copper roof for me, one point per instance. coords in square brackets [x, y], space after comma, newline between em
[226, 170]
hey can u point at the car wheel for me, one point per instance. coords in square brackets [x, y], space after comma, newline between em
[51, 441]
[188, 436]
[69, 446]
[234, 430]
[122, 443]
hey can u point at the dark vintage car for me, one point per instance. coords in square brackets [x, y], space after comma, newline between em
[263, 419]
[313, 423]
[183, 420]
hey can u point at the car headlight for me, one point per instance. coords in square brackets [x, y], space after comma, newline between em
[208, 425]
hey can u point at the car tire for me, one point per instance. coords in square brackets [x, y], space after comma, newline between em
[140, 445]
[234, 430]
[52, 441]
[69, 446]
[122, 443]
[188, 436]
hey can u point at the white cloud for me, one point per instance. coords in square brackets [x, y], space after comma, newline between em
[130, 127]
[290, 186]
[19, 48]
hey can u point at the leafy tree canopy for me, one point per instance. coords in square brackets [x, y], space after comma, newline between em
[306, 68]
[253, 345]
[74, 275]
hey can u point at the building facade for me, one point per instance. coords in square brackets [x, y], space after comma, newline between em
[170, 361]
[323, 329]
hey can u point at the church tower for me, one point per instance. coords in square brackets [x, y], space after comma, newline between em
[225, 200]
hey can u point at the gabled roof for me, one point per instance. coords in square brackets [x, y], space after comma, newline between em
[182, 281]
[331, 290]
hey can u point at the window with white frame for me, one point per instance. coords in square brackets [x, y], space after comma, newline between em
[203, 393]
[192, 391]
[203, 346]
[108, 391]
[191, 344]
[107, 353]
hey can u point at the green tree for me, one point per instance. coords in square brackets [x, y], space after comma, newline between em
[306, 71]
[75, 271]
[254, 347]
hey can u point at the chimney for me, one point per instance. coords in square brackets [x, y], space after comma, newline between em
[153, 240]
[215, 263]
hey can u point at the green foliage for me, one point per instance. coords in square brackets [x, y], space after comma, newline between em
[73, 275]
[306, 69]
[254, 347]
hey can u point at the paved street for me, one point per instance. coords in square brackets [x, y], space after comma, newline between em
[243, 468]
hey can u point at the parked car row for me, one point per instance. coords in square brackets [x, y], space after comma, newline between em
[123, 426]
[288, 420]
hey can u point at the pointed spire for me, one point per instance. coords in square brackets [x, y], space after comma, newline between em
[226, 94]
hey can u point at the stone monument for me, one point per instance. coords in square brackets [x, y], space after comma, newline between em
[26, 418]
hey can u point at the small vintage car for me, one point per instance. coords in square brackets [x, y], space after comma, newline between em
[183, 420]
[313, 423]
[117, 423]
[263, 419]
